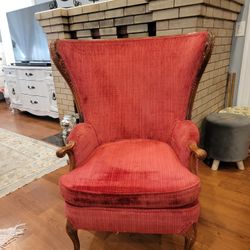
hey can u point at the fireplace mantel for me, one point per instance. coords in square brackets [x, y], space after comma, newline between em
[140, 18]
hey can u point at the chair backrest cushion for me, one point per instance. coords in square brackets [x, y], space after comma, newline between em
[132, 88]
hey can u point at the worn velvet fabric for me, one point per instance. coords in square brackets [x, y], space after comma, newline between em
[86, 141]
[132, 150]
[134, 88]
[134, 174]
[153, 221]
[184, 133]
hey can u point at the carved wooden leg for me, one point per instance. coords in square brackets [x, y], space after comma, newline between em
[190, 237]
[72, 233]
[215, 165]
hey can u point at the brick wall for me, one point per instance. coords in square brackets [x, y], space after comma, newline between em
[140, 18]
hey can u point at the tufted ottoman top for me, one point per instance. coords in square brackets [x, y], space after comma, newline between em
[237, 110]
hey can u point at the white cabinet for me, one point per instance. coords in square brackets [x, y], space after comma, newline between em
[32, 89]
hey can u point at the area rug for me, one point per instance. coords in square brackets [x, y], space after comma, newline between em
[23, 159]
[10, 234]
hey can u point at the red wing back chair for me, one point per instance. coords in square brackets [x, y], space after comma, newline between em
[130, 155]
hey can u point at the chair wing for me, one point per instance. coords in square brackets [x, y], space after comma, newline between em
[134, 88]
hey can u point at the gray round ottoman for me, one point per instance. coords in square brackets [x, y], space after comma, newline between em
[227, 138]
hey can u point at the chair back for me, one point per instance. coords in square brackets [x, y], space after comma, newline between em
[134, 88]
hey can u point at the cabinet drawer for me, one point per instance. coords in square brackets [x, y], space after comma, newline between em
[10, 72]
[52, 98]
[35, 102]
[48, 74]
[38, 88]
[14, 92]
[49, 77]
[31, 74]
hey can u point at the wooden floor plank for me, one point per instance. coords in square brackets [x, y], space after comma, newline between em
[225, 207]
[27, 124]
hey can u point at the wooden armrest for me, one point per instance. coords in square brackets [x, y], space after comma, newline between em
[67, 149]
[61, 152]
[199, 153]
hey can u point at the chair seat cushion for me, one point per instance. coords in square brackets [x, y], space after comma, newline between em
[131, 174]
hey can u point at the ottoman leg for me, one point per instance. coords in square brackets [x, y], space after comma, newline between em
[215, 165]
[240, 165]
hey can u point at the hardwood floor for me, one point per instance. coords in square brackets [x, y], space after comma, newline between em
[27, 124]
[224, 223]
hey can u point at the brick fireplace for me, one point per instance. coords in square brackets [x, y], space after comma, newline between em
[141, 18]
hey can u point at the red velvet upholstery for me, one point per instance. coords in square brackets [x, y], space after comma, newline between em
[132, 151]
[184, 133]
[86, 141]
[137, 88]
[131, 174]
[154, 221]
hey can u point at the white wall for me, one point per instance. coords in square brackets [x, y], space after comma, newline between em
[237, 50]
[243, 97]
[6, 6]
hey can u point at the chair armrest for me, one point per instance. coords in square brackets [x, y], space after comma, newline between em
[81, 143]
[67, 149]
[199, 153]
[184, 140]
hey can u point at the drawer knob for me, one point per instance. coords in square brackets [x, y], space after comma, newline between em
[28, 74]
[31, 87]
[13, 91]
[33, 102]
[53, 96]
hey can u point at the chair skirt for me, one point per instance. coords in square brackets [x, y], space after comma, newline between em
[149, 221]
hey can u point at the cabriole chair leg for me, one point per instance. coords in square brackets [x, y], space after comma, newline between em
[190, 237]
[72, 233]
